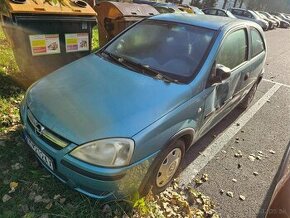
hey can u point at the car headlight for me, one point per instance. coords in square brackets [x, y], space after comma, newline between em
[114, 152]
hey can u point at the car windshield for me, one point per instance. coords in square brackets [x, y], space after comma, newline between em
[172, 49]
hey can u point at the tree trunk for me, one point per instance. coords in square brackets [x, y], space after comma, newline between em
[241, 3]
[225, 3]
[235, 3]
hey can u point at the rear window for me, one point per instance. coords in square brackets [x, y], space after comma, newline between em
[257, 43]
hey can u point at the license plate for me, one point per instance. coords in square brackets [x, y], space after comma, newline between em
[47, 160]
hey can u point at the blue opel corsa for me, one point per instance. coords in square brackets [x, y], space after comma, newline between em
[122, 119]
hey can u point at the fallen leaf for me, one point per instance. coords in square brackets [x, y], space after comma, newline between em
[204, 177]
[230, 194]
[13, 186]
[56, 197]
[198, 181]
[62, 200]
[252, 158]
[272, 151]
[48, 206]
[6, 198]
[242, 197]
[37, 199]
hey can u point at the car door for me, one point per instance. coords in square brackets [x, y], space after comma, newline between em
[233, 54]
[256, 60]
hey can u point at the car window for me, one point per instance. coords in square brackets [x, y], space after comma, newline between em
[247, 14]
[234, 49]
[237, 12]
[221, 13]
[257, 43]
[171, 48]
[210, 11]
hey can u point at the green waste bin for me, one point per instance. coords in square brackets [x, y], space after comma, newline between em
[46, 36]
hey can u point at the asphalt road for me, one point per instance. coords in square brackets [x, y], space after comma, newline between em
[264, 126]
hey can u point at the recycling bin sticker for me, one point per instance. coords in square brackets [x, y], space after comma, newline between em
[76, 42]
[44, 44]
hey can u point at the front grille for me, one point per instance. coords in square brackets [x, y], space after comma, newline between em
[45, 134]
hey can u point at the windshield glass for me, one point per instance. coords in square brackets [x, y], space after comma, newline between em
[171, 48]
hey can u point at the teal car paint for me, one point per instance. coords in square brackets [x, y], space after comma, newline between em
[103, 123]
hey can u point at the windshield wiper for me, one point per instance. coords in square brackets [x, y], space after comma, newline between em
[146, 69]
[116, 59]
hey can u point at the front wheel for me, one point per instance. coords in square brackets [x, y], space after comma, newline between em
[165, 167]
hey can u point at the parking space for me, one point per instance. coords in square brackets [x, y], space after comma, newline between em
[263, 127]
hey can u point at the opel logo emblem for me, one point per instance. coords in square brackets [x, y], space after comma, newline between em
[39, 129]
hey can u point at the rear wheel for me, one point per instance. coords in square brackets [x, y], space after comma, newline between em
[164, 168]
[249, 97]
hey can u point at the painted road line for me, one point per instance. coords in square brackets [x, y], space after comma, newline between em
[267, 80]
[209, 153]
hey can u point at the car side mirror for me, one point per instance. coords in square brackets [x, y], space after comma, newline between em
[222, 72]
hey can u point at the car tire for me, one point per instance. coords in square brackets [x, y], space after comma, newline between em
[164, 168]
[248, 98]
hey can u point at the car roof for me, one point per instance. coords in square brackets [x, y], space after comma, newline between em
[210, 22]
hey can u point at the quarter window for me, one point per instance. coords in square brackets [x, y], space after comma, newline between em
[234, 49]
[257, 43]
[221, 13]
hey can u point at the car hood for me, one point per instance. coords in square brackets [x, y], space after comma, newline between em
[93, 98]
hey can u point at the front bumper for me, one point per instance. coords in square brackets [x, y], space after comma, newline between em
[97, 182]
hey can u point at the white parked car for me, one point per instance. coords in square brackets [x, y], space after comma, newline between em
[249, 15]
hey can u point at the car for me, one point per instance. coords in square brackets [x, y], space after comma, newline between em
[122, 119]
[196, 10]
[271, 17]
[279, 204]
[283, 23]
[282, 16]
[218, 12]
[168, 8]
[249, 15]
[271, 23]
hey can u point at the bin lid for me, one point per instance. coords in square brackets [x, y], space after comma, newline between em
[62, 7]
[115, 10]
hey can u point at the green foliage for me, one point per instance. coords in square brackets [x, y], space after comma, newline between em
[95, 39]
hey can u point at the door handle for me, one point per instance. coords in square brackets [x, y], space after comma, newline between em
[247, 75]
